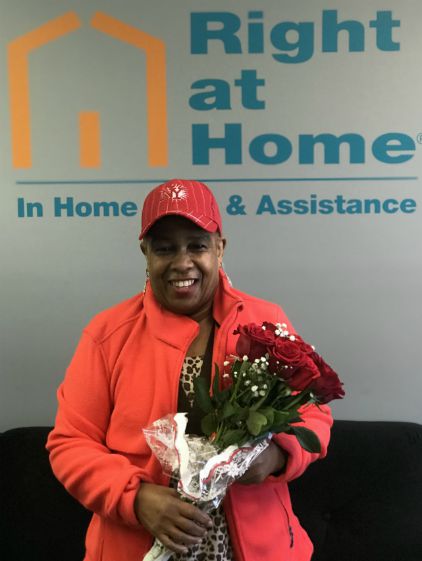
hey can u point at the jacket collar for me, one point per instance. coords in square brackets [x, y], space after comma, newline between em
[179, 330]
[225, 299]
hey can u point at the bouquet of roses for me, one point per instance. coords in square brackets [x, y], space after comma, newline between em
[262, 389]
[260, 392]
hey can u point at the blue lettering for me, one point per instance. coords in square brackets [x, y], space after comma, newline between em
[21, 207]
[354, 206]
[408, 205]
[393, 142]
[266, 205]
[272, 148]
[339, 200]
[331, 145]
[339, 204]
[59, 206]
[129, 208]
[326, 206]
[283, 148]
[255, 33]
[67, 207]
[314, 207]
[284, 207]
[372, 205]
[231, 143]
[83, 209]
[29, 209]
[201, 32]
[301, 206]
[304, 44]
[384, 31]
[331, 28]
[219, 95]
[105, 208]
[390, 206]
[249, 83]
[224, 28]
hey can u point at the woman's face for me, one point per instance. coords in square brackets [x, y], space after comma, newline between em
[183, 262]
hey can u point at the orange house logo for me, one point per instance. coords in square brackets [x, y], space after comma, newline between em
[89, 121]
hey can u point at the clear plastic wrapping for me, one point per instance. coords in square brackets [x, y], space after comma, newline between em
[203, 473]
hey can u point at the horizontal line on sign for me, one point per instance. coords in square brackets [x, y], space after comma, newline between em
[209, 180]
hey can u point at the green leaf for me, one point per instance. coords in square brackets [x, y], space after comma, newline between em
[228, 410]
[233, 436]
[268, 412]
[209, 424]
[280, 417]
[255, 422]
[202, 396]
[307, 439]
[280, 428]
[241, 413]
[296, 419]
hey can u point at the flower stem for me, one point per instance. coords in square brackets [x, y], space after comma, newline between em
[301, 397]
[244, 366]
[220, 430]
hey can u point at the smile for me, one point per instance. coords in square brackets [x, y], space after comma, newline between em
[182, 283]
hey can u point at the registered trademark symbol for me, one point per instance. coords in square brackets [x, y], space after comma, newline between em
[419, 138]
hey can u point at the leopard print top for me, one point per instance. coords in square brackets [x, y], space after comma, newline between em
[216, 546]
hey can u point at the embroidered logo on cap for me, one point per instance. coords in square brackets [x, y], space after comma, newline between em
[174, 192]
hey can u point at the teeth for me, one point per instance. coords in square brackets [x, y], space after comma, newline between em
[181, 284]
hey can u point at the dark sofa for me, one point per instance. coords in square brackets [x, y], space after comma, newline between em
[361, 503]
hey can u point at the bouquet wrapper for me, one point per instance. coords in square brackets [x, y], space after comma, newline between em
[203, 473]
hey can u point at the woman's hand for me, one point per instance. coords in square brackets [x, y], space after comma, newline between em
[175, 523]
[271, 460]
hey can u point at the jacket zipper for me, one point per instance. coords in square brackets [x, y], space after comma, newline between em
[220, 350]
[179, 370]
[288, 524]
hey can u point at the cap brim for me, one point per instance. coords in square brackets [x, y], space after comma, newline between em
[203, 222]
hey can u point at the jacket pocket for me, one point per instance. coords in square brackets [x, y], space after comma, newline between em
[259, 520]
[288, 518]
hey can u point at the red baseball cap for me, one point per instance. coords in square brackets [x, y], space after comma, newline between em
[184, 197]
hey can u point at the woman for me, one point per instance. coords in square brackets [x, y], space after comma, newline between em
[134, 364]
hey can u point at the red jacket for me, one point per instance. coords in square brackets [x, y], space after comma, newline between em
[125, 375]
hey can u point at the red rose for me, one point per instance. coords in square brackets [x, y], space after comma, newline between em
[270, 327]
[288, 352]
[301, 369]
[254, 341]
[303, 377]
[328, 386]
[304, 347]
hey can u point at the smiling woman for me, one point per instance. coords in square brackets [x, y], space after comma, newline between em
[135, 363]
[183, 262]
